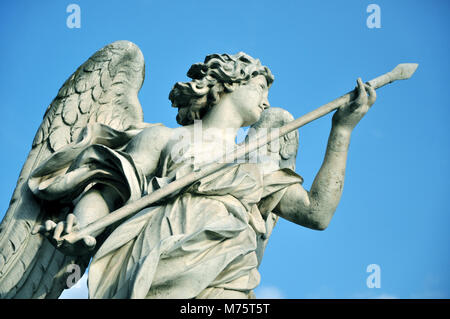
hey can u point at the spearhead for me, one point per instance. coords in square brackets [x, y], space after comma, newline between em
[402, 71]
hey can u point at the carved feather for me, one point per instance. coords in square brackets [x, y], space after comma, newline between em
[104, 89]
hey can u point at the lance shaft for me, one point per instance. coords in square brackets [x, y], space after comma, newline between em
[401, 72]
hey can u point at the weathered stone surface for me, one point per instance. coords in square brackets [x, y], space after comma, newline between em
[93, 154]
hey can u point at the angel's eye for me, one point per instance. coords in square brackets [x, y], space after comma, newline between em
[262, 86]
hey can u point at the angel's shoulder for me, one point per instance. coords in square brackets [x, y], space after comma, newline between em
[145, 148]
[151, 138]
[157, 130]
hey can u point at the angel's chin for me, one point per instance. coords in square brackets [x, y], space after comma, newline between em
[256, 116]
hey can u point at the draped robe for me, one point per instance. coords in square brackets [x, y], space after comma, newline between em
[201, 242]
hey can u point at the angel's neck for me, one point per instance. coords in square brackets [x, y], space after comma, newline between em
[222, 121]
[203, 132]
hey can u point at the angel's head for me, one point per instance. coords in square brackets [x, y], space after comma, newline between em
[239, 76]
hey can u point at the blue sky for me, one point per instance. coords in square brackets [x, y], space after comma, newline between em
[395, 207]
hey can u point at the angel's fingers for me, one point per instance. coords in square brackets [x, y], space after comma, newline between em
[89, 242]
[38, 229]
[361, 95]
[362, 89]
[44, 228]
[359, 82]
[58, 231]
[71, 221]
[49, 225]
[372, 94]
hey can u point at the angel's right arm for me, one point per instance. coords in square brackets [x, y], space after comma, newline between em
[145, 150]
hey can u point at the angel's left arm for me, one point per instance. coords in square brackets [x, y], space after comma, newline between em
[314, 209]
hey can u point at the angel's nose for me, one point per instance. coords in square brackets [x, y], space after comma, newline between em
[265, 104]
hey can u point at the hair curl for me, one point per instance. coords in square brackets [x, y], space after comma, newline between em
[218, 74]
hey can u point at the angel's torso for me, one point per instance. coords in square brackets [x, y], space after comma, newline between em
[160, 150]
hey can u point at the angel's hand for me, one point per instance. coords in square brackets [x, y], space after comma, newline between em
[55, 232]
[349, 115]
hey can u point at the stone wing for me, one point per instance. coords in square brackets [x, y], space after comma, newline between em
[102, 90]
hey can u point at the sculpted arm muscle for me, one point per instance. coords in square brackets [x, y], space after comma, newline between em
[295, 206]
[314, 209]
[145, 148]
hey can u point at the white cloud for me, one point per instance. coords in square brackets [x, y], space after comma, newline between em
[78, 291]
[386, 296]
[373, 295]
[268, 292]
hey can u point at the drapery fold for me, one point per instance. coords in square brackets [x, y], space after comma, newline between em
[212, 235]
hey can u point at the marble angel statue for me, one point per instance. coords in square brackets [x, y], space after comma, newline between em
[93, 154]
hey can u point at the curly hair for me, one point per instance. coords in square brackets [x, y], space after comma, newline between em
[218, 74]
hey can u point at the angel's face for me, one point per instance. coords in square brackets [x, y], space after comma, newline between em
[250, 99]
